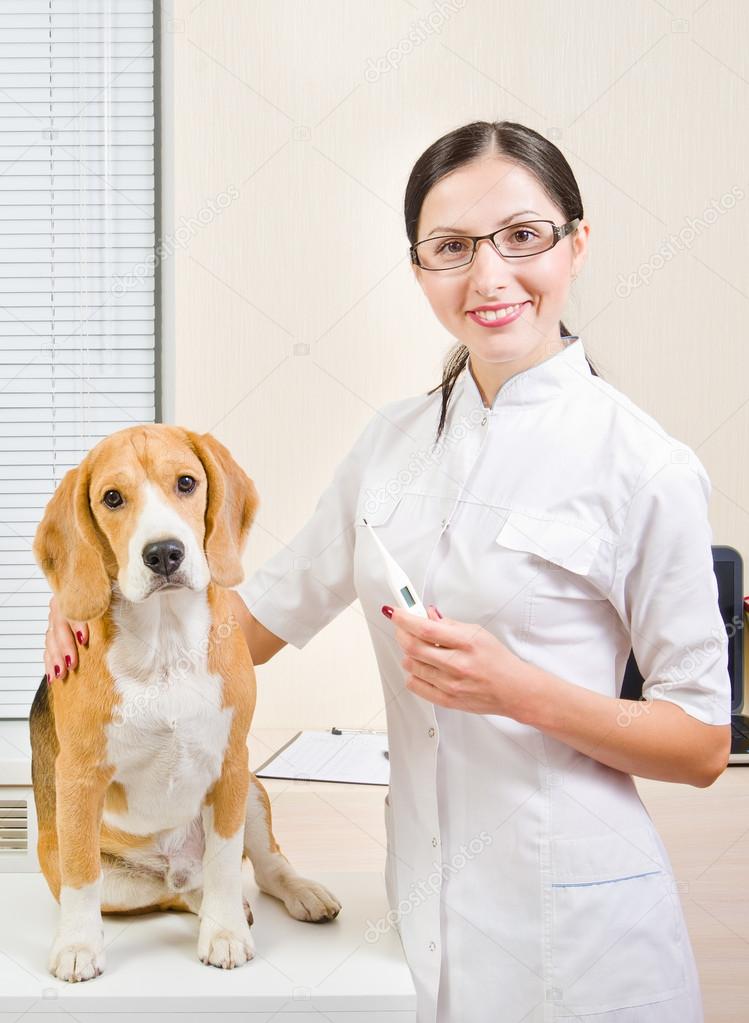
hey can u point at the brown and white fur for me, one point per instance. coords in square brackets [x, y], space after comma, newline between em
[140, 769]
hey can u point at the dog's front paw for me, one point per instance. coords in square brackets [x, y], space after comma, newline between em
[308, 900]
[74, 961]
[225, 947]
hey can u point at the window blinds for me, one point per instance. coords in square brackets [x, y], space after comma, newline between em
[76, 273]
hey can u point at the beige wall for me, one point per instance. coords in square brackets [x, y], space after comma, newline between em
[284, 330]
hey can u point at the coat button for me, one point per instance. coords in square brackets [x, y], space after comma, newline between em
[430, 733]
[431, 946]
[483, 421]
[435, 842]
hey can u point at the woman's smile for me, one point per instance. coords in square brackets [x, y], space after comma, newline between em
[498, 315]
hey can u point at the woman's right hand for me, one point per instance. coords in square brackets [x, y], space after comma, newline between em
[61, 642]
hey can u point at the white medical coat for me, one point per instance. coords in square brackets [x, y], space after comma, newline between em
[526, 879]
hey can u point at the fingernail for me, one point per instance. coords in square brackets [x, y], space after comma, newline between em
[67, 660]
[387, 611]
[49, 680]
[80, 636]
[437, 610]
[57, 670]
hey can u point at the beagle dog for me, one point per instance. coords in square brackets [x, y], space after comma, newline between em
[140, 769]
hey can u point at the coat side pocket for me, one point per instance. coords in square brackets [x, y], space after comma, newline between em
[617, 930]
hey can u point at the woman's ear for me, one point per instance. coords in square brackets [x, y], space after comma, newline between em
[68, 550]
[231, 504]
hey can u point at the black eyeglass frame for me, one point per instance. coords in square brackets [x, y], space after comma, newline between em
[560, 231]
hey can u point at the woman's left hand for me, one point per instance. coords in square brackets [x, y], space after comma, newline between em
[464, 667]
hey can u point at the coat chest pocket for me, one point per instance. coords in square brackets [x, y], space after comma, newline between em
[423, 511]
[564, 545]
[407, 524]
[376, 509]
[379, 516]
[384, 522]
[616, 924]
[561, 559]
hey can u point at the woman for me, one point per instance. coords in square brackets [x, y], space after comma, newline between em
[556, 525]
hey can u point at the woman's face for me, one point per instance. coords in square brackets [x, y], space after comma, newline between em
[474, 200]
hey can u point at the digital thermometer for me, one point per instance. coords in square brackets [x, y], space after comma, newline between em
[401, 586]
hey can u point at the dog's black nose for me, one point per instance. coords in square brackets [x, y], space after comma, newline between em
[164, 556]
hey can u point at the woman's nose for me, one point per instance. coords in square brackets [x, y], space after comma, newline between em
[488, 269]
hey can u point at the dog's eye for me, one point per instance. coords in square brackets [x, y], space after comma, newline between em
[185, 484]
[113, 499]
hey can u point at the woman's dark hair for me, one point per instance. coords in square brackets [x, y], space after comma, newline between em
[511, 141]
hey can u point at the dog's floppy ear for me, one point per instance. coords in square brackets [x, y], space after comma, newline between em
[231, 504]
[69, 552]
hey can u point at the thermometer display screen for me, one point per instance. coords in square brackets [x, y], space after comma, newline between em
[407, 596]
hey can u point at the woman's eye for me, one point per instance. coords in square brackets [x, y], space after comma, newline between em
[449, 246]
[186, 484]
[113, 499]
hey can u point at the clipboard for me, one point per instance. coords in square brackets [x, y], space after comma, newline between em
[350, 756]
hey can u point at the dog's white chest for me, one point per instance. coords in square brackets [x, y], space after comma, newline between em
[169, 733]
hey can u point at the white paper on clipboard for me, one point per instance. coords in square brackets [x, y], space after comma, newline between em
[351, 756]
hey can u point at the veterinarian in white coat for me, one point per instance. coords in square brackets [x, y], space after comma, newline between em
[554, 525]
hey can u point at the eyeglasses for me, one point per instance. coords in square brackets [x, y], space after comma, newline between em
[449, 251]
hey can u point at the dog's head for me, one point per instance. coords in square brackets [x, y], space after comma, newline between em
[151, 508]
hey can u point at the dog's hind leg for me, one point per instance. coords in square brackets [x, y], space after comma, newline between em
[44, 750]
[129, 888]
[303, 898]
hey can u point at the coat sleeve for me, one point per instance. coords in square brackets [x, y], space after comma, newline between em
[665, 590]
[304, 585]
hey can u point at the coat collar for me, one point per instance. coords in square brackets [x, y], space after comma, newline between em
[540, 383]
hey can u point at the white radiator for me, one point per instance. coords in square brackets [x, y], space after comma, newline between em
[18, 829]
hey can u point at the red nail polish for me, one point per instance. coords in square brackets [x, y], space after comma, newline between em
[67, 660]
[57, 670]
[49, 680]
[80, 637]
[387, 611]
